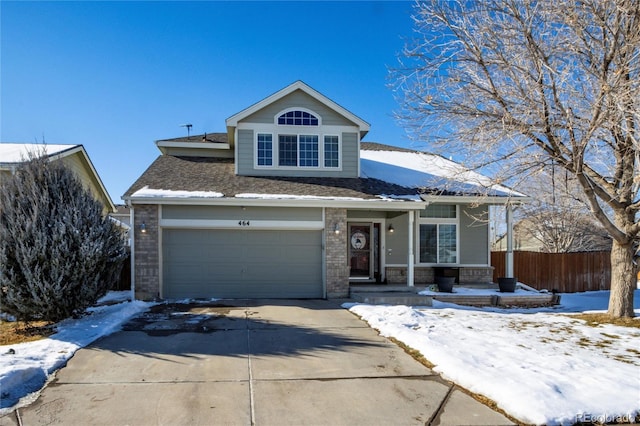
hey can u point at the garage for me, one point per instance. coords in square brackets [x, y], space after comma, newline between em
[229, 263]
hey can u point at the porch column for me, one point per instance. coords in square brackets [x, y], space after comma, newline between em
[410, 257]
[509, 252]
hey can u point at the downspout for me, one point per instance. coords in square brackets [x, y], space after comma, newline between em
[133, 252]
[410, 257]
[509, 252]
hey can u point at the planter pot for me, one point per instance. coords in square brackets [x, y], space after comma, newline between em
[507, 285]
[445, 284]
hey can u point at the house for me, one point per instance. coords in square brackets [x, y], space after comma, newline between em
[290, 202]
[73, 156]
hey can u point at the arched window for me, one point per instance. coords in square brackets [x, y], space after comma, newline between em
[298, 118]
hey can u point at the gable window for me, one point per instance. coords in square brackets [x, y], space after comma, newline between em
[438, 234]
[265, 149]
[298, 118]
[296, 139]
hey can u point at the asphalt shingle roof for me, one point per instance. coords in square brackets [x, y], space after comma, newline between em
[218, 175]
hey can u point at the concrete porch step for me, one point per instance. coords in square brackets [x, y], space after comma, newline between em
[383, 288]
[392, 298]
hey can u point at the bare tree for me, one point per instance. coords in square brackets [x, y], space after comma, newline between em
[558, 218]
[522, 85]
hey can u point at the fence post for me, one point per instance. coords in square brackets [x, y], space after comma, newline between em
[509, 253]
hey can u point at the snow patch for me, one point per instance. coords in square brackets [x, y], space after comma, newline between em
[295, 197]
[25, 367]
[538, 366]
[147, 192]
[419, 169]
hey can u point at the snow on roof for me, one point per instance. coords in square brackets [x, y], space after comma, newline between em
[169, 193]
[18, 152]
[147, 192]
[422, 170]
[295, 197]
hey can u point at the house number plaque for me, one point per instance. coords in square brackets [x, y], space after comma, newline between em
[244, 223]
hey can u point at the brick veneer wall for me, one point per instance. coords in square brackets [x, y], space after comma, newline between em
[146, 252]
[477, 274]
[422, 275]
[337, 273]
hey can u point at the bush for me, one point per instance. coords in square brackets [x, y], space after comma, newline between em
[58, 253]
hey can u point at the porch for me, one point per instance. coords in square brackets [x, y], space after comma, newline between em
[480, 295]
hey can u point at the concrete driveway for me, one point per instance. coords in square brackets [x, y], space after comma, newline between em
[262, 362]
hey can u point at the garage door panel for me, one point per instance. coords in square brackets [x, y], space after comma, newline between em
[233, 264]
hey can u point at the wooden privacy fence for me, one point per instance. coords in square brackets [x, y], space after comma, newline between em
[564, 272]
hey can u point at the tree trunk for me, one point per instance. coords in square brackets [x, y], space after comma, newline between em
[623, 280]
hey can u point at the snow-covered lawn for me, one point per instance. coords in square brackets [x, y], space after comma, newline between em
[539, 365]
[25, 367]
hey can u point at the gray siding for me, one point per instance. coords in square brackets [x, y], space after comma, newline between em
[245, 160]
[474, 235]
[298, 99]
[396, 243]
[246, 145]
[350, 154]
[238, 213]
[365, 214]
[473, 243]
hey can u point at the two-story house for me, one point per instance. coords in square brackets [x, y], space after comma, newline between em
[290, 202]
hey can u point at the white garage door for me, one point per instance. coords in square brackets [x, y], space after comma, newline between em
[201, 263]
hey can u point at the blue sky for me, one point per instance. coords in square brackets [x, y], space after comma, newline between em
[116, 76]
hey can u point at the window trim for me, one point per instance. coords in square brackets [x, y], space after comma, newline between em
[438, 221]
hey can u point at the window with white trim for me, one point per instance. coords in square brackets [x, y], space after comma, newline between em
[438, 234]
[308, 150]
[265, 149]
[331, 151]
[298, 118]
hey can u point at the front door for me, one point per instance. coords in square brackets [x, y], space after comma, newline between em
[363, 250]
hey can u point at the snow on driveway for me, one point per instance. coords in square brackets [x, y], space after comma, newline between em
[542, 367]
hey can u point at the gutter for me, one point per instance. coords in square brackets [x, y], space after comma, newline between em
[373, 204]
[471, 199]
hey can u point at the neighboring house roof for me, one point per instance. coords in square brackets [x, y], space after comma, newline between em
[388, 173]
[204, 138]
[14, 154]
